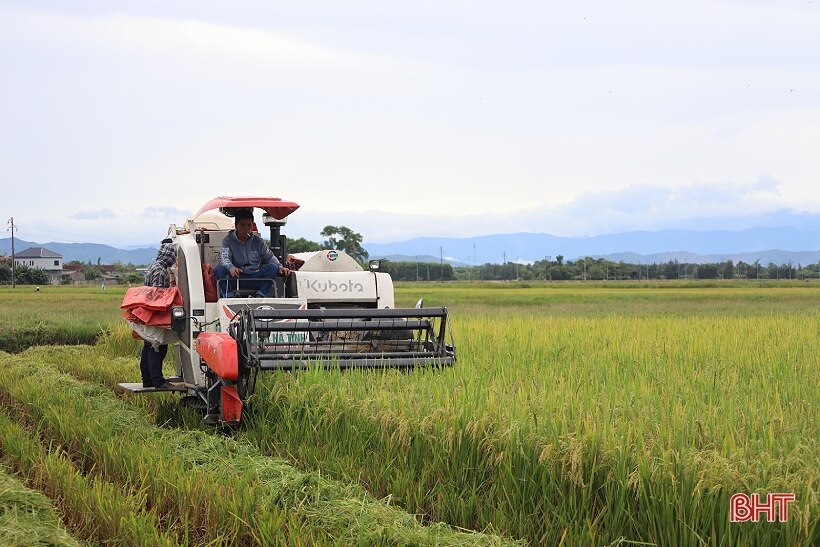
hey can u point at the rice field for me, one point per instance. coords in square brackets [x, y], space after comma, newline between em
[55, 315]
[576, 414]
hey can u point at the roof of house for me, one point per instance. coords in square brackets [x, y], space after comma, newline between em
[37, 252]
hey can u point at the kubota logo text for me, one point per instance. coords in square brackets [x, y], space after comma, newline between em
[330, 286]
[332, 255]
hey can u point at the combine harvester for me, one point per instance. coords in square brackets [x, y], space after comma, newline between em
[329, 312]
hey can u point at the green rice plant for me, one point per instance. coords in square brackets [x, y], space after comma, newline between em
[582, 430]
[55, 315]
[110, 362]
[212, 487]
[616, 298]
[17, 339]
[576, 414]
[95, 510]
[117, 341]
[27, 518]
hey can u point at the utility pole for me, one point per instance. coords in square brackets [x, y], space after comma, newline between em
[473, 269]
[441, 264]
[11, 227]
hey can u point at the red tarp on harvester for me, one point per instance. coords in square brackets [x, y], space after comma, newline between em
[150, 305]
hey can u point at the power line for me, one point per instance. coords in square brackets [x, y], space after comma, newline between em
[441, 264]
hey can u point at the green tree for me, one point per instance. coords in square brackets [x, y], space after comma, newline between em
[344, 239]
[302, 245]
[754, 270]
[728, 270]
[25, 275]
[624, 270]
[560, 272]
[135, 278]
[91, 273]
[671, 269]
[772, 271]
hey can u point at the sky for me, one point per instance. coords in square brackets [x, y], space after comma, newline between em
[408, 119]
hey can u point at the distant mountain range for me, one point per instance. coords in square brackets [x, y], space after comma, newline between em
[86, 252]
[778, 245]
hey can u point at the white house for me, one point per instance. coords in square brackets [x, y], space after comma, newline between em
[40, 257]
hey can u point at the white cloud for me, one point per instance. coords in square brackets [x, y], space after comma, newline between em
[188, 38]
[171, 213]
[409, 118]
[638, 207]
[93, 215]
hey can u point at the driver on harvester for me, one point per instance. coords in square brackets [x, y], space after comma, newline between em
[246, 262]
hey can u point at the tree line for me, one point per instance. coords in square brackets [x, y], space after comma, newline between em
[340, 238]
[591, 269]
[598, 269]
[588, 268]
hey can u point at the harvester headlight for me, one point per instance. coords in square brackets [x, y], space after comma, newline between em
[375, 265]
[177, 318]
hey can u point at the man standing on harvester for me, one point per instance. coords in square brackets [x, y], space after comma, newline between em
[246, 262]
[150, 358]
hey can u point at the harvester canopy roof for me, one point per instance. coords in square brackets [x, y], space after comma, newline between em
[275, 207]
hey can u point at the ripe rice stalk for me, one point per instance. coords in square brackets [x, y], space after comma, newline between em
[212, 485]
[639, 414]
[94, 510]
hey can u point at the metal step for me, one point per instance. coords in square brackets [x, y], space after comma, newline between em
[137, 387]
